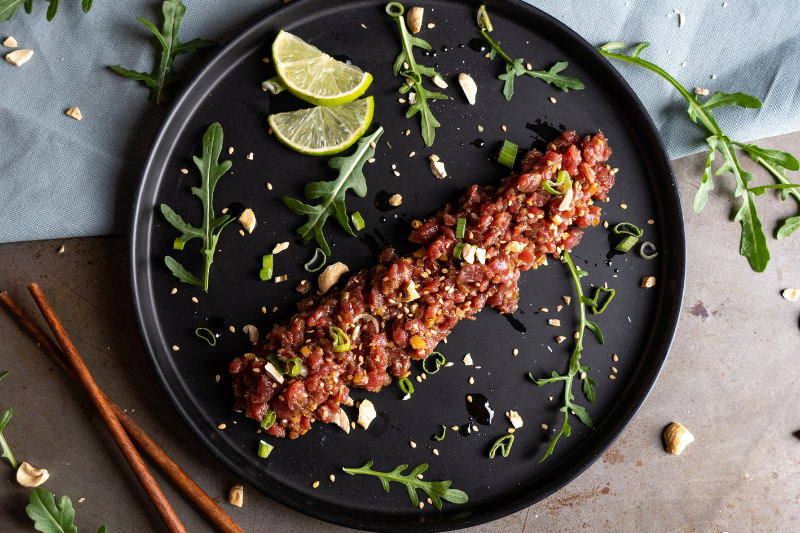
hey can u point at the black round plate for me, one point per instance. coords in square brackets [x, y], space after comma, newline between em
[638, 325]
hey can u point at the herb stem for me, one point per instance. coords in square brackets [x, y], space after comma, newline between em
[496, 48]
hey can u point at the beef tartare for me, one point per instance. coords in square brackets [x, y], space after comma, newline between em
[403, 307]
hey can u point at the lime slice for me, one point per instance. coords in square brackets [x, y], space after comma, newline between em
[313, 75]
[323, 130]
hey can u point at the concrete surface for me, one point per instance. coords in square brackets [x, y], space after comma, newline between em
[731, 378]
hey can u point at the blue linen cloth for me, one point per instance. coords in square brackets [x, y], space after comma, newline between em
[61, 178]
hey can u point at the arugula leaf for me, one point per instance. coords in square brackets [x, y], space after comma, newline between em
[514, 68]
[3, 444]
[165, 74]
[575, 368]
[436, 490]
[753, 242]
[351, 176]
[413, 74]
[8, 8]
[4, 374]
[210, 173]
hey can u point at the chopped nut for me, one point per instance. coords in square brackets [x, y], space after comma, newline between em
[701, 92]
[413, 444]
[75, 113]
[468, 360]
[249, 156]
[248, 220]
[19, 57]
[681, 20]
[221, 426]
[341, 420]
[28, 476]
[281, 246]
[175, 347]
[269, 186]
[559, 308]
[468, 86]
[174, 290]
[366, 413]
[412, 98]
[395, 200]
[552, 99]
[10, 42]
[437, 80]
[468, 253]
[414, 19]
[412, 154]
[252, 332]
[273, 373]
[560, 339]
[790, 294]
[554, 322]
[332, 477]
[515, 419]
[677, 438]
[438, 170]
[433, 157]
[488, 54]
[330, 276]
[303, 287]
[63, 249]
[230, 150]
[236, 495]
[567, 299]
[480, 253]
[648, 281]
[431, 25]
[281, 279]
[315, 484]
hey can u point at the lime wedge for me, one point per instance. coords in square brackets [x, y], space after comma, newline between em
[323, 130]
[313, 75]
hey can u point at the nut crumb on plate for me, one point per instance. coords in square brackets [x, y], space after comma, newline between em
[554, 322]
[395, 200]
[567, 299]
[366, 413]
[248, 220]
[560, 339]
[64, 248]
[330, 276]
[648, 281]
[414, 19]
[439, 82]
[75, 113]
[250, 156]
[790, 294]
[515, 419]
[281, 246]
[468, 360]
[677, 438]
[552, 99]
[10, 42]
[19, 57]
[236, 495]
[28, 476]
[438, 170]
[468, 86]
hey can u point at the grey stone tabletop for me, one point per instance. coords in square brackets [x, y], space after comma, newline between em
[731, 378]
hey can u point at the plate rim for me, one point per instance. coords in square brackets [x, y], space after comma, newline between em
[139, 279]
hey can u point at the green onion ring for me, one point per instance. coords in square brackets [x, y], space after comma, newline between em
[318, 251]
[444, 432]
[203, 331]
[619, 229]
[439, 359]
[563, 181]
[264, 449]
[627, 243]
[500, 443]
[341, 342]
[642, 253]
[277, 363]
[406, 386]
[269, 419]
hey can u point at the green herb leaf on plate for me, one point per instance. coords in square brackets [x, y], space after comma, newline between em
[564, 83]
[332, 193]
[8, 8]
[47, 516]
[436, 490]
[3, 444]
[211, 170]
[164, 75]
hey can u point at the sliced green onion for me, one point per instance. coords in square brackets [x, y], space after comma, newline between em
[480, 128]
[269, 419]
[626, 243]
[207, 335]
[508, 154]
[457, 250]
[621, 229]
[483, 19]
[178, 244]
[406, 386]
[266, 268]
[563, 183]
[444, 432]
[504, 447]
[274, 85]
[341, 342]
[462, 225]
[318, 251]
[277, 363]
[593, 303]
[291, 365]
[439, 359]
[358, 221]
[264, 449]
[644, 255]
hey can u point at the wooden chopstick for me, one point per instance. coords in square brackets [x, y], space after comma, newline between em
[209, 507]
[123, 441]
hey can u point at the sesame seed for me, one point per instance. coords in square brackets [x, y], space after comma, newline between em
[401, 100]
[264, 310]
[431, 25]
[454, 428]
[265, 59]
[413, 444]
[651, 221]
[583, 375]
[424, 376]
[217, 378]
[396, 173]
[544, 426]
[364, 26]
[241, 232]
[230, 150]
[419, 379]
[389, 145]
[315, 484]
[429, 501]
[577, 335]
[222, 426]
[552, 99]
[371, 160]
[412, 154]
[224, 210]
[372, 144]
[488, 55]
[175, 347]
[624, 206]
[551, 398]
[528, 66]
[503, 128]
[184, 171]
[615, 358]
[173, 291]
[274, 309]
[419, 476]
[544, 310]
[421, 505]
[475, 428]
[471, 381]
[469, 399]
[233, 329]
[194, 299]
[511, 430]
[605, 224]
[269, 186]
[515, 352]
[612, 376]
[435, 451]
[408, 132]
[353, 425]
[333, 478]
[614, 369]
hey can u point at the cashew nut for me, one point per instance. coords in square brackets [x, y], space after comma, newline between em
[677, 438]
[19, 57]
[341, 420]
[28, 476]
[236, 495]
[515, 419]
[330, 276]
[437, 167]
[366, 413]
[248, 220]
[414, 19]
[468, 86]
[251, 332]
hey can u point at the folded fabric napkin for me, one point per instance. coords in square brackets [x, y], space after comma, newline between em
[62, 178]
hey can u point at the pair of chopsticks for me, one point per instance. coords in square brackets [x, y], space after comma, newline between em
[122, 428]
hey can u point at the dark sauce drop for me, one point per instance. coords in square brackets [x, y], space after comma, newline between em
[382, 202]
[461, 45]
[235, 209]
[445, 48]
[371, 242]
[343, 58]
[516, 324]
[299, 241]
[214, 324]
[478, 143]
[382, 220]
[479, 409]
[477, 44]
[465, 430]
[429, 53]
[616, 271]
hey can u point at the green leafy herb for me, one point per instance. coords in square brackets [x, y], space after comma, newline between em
[753, 242]
[8, 8]
[317, 253]
[413, 74]
[514, 68]
[6, 450]
[4, 374]
[264, 449]
[49, 517]
[210, 173]
[438, 358]
[351, 176]
[436, 490]
[165, 74]
[406, 386]
[504, 444]
[575, 368]
[444, 432]
[508, 154]
[645, 255]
